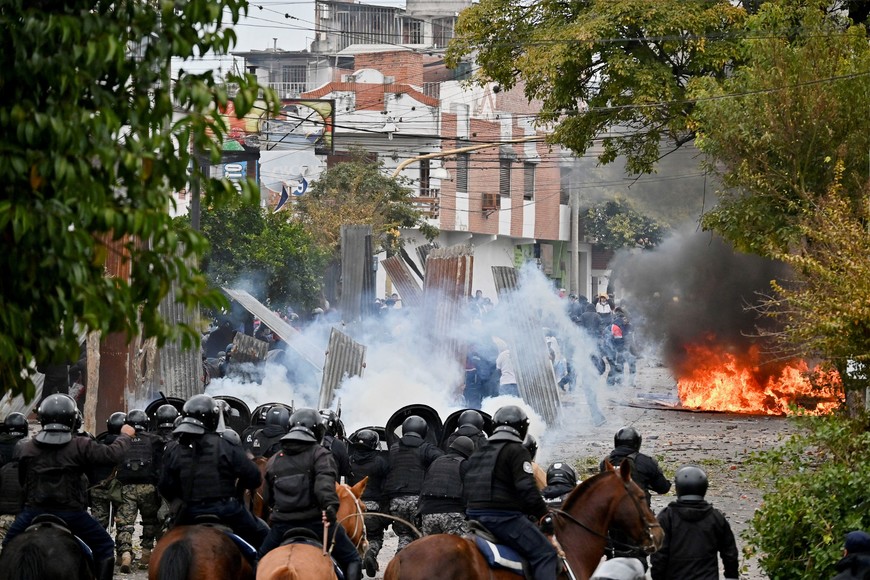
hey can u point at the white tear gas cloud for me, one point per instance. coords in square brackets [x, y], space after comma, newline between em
[405, 364]
[695, 289]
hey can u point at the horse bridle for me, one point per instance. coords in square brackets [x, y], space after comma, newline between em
[648, 548]
[360, 511]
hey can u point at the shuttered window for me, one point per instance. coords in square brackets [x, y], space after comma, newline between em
[462, 172]
[504, 177]
[528, 181]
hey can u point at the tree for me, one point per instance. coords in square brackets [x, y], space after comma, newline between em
[269, 252]
[598, 66]
[91, 152]
[616, 225]
[776, 127]
[357, 192]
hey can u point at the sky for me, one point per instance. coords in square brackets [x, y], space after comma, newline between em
[290, 22]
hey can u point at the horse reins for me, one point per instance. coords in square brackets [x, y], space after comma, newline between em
[648, 527]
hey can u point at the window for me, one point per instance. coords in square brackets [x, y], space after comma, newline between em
[293, 79]
[412, 32]
[462, 172]
[442, 31]
[504, 177]
[425, 166]
[528, 181]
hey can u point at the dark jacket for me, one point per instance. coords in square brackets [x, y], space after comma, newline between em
[340, 454]
[410, 457]
[266, 442]
[205, 468]
[53, 476]
[373, 464]
[554, 495]
[695, 533]
[141, 461]
[645, 471]
[853, 567]
[300, 482]
[442, 485]
[470, 431]
[499, 477]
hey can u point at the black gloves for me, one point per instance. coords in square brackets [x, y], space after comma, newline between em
[331, 513]
[547, 525]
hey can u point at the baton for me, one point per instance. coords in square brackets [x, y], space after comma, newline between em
[325, 531]
[561, 553]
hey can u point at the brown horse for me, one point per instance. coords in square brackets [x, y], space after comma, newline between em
[305, 561]
[609, 498]
[198, 552]
[254, 498]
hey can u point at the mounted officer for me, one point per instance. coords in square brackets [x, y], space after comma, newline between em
[502, 493]
[266, 441]
[561, 480]
[366, 460]
[137, 474]
[410, 457]
[333, 440]
[300, 486]
[52, 465]
[15, 428]
[470, 424]
[200, 473]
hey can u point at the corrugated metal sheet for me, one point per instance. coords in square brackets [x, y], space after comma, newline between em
[344, 358]
[249, 349]
[357, 273]
[423, 252]
[17, 404]
[306, 350]
[446, 289]
[531, 358]
[401, 276]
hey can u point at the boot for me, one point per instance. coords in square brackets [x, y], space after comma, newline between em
[354, 571]
[370, 561]
[105, 569]
[145, 559]
[126, 562]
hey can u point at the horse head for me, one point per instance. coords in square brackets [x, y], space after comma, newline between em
[350, 512]
[633, 515]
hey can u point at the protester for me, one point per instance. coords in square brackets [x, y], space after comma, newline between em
[855, 563]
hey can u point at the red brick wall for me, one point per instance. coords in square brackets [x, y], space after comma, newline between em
[406, 66]
[448, 187]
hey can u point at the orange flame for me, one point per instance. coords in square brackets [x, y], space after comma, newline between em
[713, 379]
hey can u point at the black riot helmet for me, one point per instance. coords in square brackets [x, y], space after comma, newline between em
[415, 425]
[463, 445]
[278, 416]
[199, 415]
[511, 424]
[166, 415]
[627, 437]
[531, 444]
[305, 426]
[137, 419]
[691, 483]
[57, 415]
[115, 421]
[330, 422]
[367, 439]
[16, 424]
[561, 474]
[470, 417]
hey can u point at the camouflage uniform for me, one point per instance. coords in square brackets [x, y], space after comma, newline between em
[405, 507]
[445, 523]
[5, 521]
[138, 497]
[375, 525]
[101, 504]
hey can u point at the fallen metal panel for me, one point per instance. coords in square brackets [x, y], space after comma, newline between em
[17, 404]
[531, 358]
[357, 279]
[446, 290]
[306, 350]
[423, 252]
[344, 358]
[247, 349]
[400, 274]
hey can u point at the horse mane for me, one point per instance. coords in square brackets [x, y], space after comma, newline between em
[584, 486]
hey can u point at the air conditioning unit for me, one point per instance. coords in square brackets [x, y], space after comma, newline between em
[491, 201]
[348, 78]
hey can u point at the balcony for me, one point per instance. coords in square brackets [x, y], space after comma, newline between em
[289, 90]
[428, 202]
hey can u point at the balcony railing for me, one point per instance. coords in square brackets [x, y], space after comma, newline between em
[428, 202]
[289, 90]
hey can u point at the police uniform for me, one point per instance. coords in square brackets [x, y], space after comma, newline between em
[100, 490]
[501, 493]
[201, 472]
[11, 493]
[52, 468]
[470, 431]
[137, 474]
[340, 454]
[300, 485]
[410, 456]
[370, 462]
[442, 504]
[265, 442]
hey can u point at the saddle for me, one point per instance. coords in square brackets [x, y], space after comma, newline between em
[497, 555]
[52, 521]
[212, 521]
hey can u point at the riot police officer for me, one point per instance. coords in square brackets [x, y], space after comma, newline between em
[51, 470]
[15, 429]
[502, 493]
[561, 480]
[470, 424]
[266, 441]
[695, 534]
[333, 440]
[137, 474]
[164, 418]
[102, 477]
[201, 469]
[300, 486]
[410, 457]
[366, 460]
[442, 504]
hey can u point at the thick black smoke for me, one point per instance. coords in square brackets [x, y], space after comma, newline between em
[696, 289]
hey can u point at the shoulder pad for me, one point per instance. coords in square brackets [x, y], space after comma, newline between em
[231, 436]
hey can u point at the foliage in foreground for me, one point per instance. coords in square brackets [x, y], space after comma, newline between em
[817, 482]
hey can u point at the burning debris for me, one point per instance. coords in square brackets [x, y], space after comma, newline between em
[693, 296]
